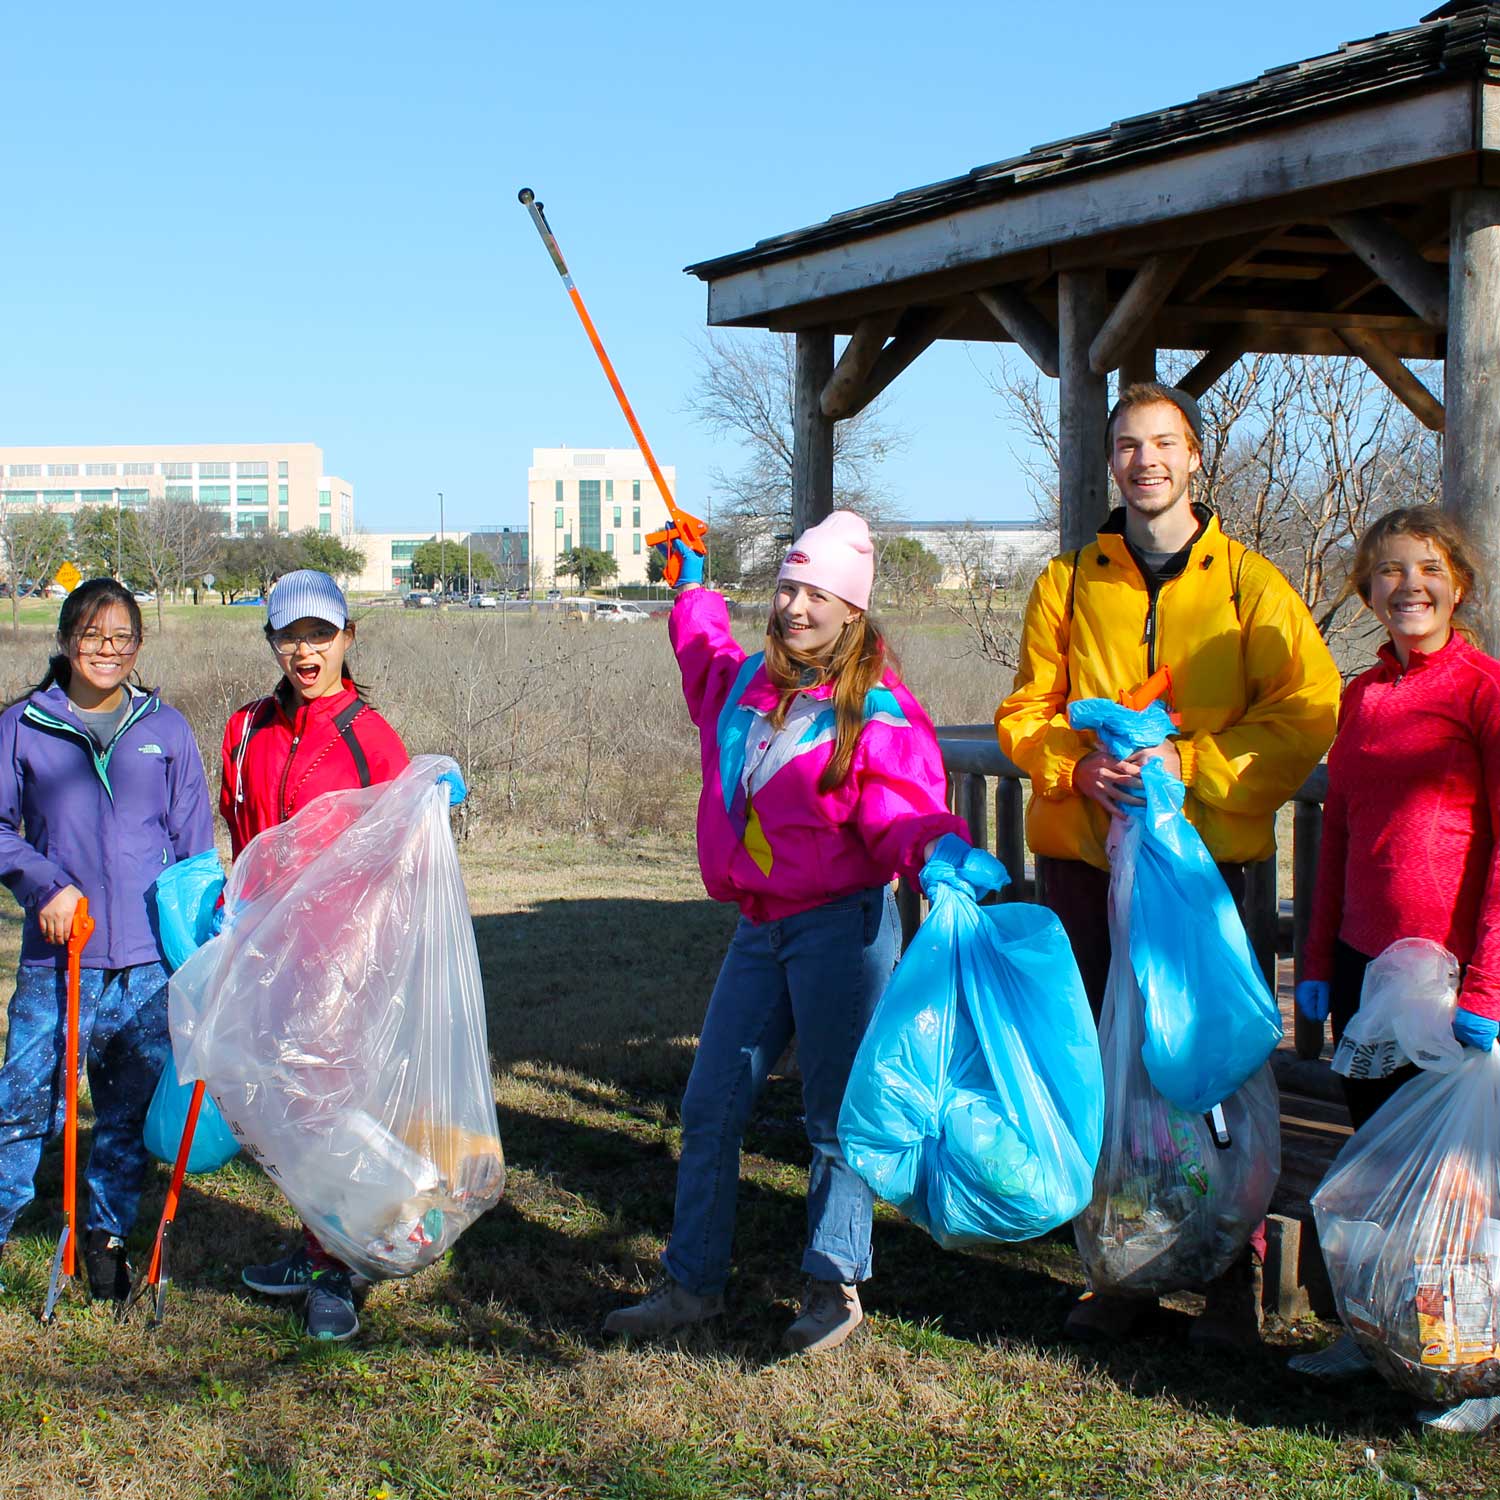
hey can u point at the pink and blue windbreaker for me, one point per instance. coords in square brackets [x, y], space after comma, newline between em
[791, 847]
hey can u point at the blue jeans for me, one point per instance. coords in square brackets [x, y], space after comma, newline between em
[122, 1036]
[819, 974]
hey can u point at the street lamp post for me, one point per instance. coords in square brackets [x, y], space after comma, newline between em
[471, 565]
[442, 545]
[118, 579]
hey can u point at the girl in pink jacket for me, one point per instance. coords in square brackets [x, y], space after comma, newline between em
[821, 781]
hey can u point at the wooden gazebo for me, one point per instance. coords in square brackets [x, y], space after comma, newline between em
[1349, 204]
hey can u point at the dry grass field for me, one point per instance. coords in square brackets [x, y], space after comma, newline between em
[486, 1375]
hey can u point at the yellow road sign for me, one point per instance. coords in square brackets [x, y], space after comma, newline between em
[68, 576]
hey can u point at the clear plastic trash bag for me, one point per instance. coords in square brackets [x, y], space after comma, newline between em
[1178, 1193]
[1405, 1013]
[339, 1022]
[975, 1104]
[184, 902]
[1409, 1215]
[1211, 1021]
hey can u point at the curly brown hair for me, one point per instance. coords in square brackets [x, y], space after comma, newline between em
[1427, 523]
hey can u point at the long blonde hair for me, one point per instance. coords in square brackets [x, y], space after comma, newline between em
[856, 662]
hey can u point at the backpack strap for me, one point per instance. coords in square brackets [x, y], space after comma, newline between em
[1068, 620]
[254, 721]
[344, 724]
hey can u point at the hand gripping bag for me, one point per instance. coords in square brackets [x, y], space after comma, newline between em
[975, 1103]
[1409, 1215]
[1177, 1194]
[184, 901]
[1211, 1021]
[339, 1022]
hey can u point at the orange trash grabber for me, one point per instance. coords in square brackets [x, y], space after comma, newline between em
[65, 1262]
[153, 1275]
[688, 530]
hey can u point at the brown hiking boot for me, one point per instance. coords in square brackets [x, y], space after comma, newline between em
[830, 1313]
[666, 1309]
[1231, 1315]
[1104, 1318]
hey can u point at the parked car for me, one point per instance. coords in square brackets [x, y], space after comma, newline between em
[483, 601]
[143, 596]
[554, 593]
[420, 601]
[619, 611]
[253, 602]
[56, 591]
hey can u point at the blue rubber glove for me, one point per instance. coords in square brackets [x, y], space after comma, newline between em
[1474, 1030]
[977, 868]
[454, 781]
[1312, 999]
[692, 563]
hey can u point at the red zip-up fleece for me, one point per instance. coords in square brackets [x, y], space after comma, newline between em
[1409, 829]
[278, 756]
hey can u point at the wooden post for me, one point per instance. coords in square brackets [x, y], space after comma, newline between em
[1471, 390]
[812, 432]
[1083, 405]
[1138, 367]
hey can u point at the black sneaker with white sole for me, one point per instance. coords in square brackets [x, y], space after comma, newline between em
[110, 1273]
[330, 1307]
[288, 1277]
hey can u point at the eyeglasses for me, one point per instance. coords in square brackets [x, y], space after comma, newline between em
[284, 643]
[124, 643]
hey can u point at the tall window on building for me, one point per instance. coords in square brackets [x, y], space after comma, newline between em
[283, 520]
[281, 494]
[609, 544]
[617, 518]
[635, 517]
[635, 491]
[251, 494]
[179, 492]
[213, 494]
[557, 493]
[325, 499]
[588, 513]
[636, 544]
[281, 469]
[567, 541]
[609, 490]
[325, 521]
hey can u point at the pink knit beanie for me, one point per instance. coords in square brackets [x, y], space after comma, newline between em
[836, 556]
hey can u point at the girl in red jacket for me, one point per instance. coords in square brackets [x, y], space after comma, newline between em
[314, 733]
[1409, 828]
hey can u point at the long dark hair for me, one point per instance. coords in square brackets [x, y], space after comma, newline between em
[80, 609]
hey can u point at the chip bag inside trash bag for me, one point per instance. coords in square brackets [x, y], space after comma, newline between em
[1409, 1214]
[339, 1021]
[1178, 1193]
[184, 903]
[975, 1103]
[1211, 1021]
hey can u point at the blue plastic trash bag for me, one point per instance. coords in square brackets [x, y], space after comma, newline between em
[976, 1102]
[1210, 1021]
[186, 900]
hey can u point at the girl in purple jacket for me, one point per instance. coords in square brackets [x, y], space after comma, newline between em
[105, 789]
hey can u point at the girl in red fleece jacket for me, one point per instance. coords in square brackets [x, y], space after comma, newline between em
[1409, 827]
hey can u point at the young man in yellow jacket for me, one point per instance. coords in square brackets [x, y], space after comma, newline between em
[1254, 685]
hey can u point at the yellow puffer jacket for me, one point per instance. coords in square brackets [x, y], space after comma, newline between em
[1254, 684]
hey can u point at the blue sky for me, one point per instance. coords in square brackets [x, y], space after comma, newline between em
[299, 222]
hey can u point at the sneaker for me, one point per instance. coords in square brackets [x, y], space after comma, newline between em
[288, 1277]
[1469, 1417]
[666, 1308]
[1104, 1318]
[110, 1273]
[1231, 1315]
[330, 1306]
[830, 1313]
[1343, 1359]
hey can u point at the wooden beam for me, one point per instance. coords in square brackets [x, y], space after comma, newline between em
[857, 360]
[1471, 449]
[1345, 285]
[1216, 261]
[917, 331]
[1131, 319]
[812, 432]
[1082, 407]
[1020, 317]
[1138, 367]
[1397, 262]
[1216, 362]
[1410, 391]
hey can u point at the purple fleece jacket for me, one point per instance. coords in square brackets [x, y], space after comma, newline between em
[108, 821]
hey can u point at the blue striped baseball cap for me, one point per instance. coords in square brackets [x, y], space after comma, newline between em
[306, 595]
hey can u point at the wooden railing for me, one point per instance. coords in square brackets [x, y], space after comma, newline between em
[972, 758]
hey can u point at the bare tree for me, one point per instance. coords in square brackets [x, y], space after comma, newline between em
[746, 391]
[34, 539]
[176, 540]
